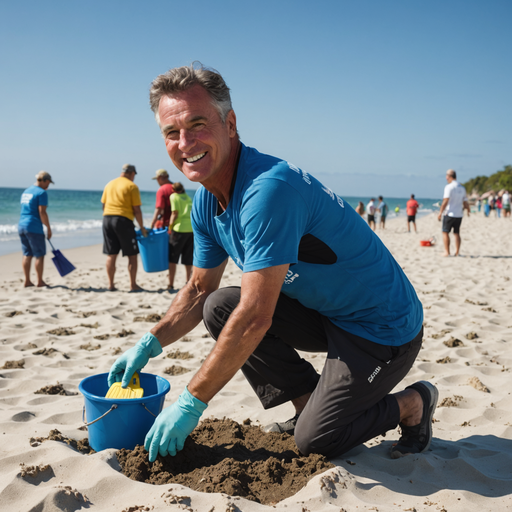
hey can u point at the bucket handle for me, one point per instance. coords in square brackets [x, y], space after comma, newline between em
[144, 405]
[114, 406]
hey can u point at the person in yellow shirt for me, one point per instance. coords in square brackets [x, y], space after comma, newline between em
[121, 204]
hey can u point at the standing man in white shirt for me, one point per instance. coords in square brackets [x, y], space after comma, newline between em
[370, 208]
[505, 199]
[455, 201]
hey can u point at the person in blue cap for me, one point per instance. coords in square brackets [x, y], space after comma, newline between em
[33, 215]
[315, 278]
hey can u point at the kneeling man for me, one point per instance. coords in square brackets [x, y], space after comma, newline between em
[315, 278]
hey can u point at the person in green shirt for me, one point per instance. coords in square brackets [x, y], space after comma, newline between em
[181, 239]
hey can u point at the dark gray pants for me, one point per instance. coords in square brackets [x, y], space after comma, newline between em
[350, 401]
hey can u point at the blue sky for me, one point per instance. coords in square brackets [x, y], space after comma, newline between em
[370, 96]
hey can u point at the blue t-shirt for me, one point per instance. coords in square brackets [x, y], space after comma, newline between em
[31, 199]
[279, 214]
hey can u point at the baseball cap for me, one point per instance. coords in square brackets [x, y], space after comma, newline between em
[44, 176]
[129, 168]
[161, 173]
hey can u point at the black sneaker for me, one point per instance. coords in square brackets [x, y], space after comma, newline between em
[286, 427]
[417, 439]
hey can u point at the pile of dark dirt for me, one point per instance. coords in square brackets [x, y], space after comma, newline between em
[95, 325]
[453, 342]
[45, 352]
[11, 365]
[153, 318]
[123, 333]
[176, 370]
[53, 389]
[61, 331]
[222, 456]
[81, 446]
[90, 347]
[13, 313]
[178, 354]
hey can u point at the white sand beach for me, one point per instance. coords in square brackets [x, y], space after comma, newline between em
[467, 354]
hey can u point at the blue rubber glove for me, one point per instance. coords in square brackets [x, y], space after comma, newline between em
[134, 359]
[173, 425]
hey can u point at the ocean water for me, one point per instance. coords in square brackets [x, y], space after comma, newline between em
[76, 215]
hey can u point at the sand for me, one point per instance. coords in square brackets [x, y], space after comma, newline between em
[53, 338]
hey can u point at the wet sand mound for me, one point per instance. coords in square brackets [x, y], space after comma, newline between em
[224, 456]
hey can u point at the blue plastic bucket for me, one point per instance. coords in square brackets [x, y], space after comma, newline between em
[114, 423]
[154, 249]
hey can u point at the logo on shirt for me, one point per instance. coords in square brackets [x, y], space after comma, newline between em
[25, 198]
[290, 277]
[334, 196]
[305, 175]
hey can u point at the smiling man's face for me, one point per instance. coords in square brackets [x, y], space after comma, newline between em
[197, 140]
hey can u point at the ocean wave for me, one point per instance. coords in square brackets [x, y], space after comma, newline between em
[57, 227]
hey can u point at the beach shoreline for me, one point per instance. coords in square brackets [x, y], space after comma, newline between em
[467, 354]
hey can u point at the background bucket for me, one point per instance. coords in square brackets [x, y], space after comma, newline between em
[154, 249]
[114, 423]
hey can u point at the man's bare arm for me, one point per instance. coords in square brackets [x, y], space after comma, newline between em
[43, 215]
[186, 310]
[242, 333]
[138, 215]
[173, 219]
[158, 211]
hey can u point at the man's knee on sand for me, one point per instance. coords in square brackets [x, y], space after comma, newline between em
[310, 438]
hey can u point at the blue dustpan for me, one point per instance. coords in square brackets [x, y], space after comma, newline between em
[64, 266]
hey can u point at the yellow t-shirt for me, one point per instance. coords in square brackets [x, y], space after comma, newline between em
[120, 196]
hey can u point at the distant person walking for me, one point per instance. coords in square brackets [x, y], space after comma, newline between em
[487, 207]
[121, 204]
[162, 213]
[370, 208]
[499, 206]
[492, 201]
[33, 215]
[506, 203]
[412, 207]
[383, 209]
[360, 208]
[181, 239]
[454, 203]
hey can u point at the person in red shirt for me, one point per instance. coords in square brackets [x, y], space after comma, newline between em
[163, 206]
[412, 208]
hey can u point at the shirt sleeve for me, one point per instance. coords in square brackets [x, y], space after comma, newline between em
[43, 199]
[273, 218]
[447, 190]
[208, 253]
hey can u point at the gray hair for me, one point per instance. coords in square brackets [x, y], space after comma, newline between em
[184, 78]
